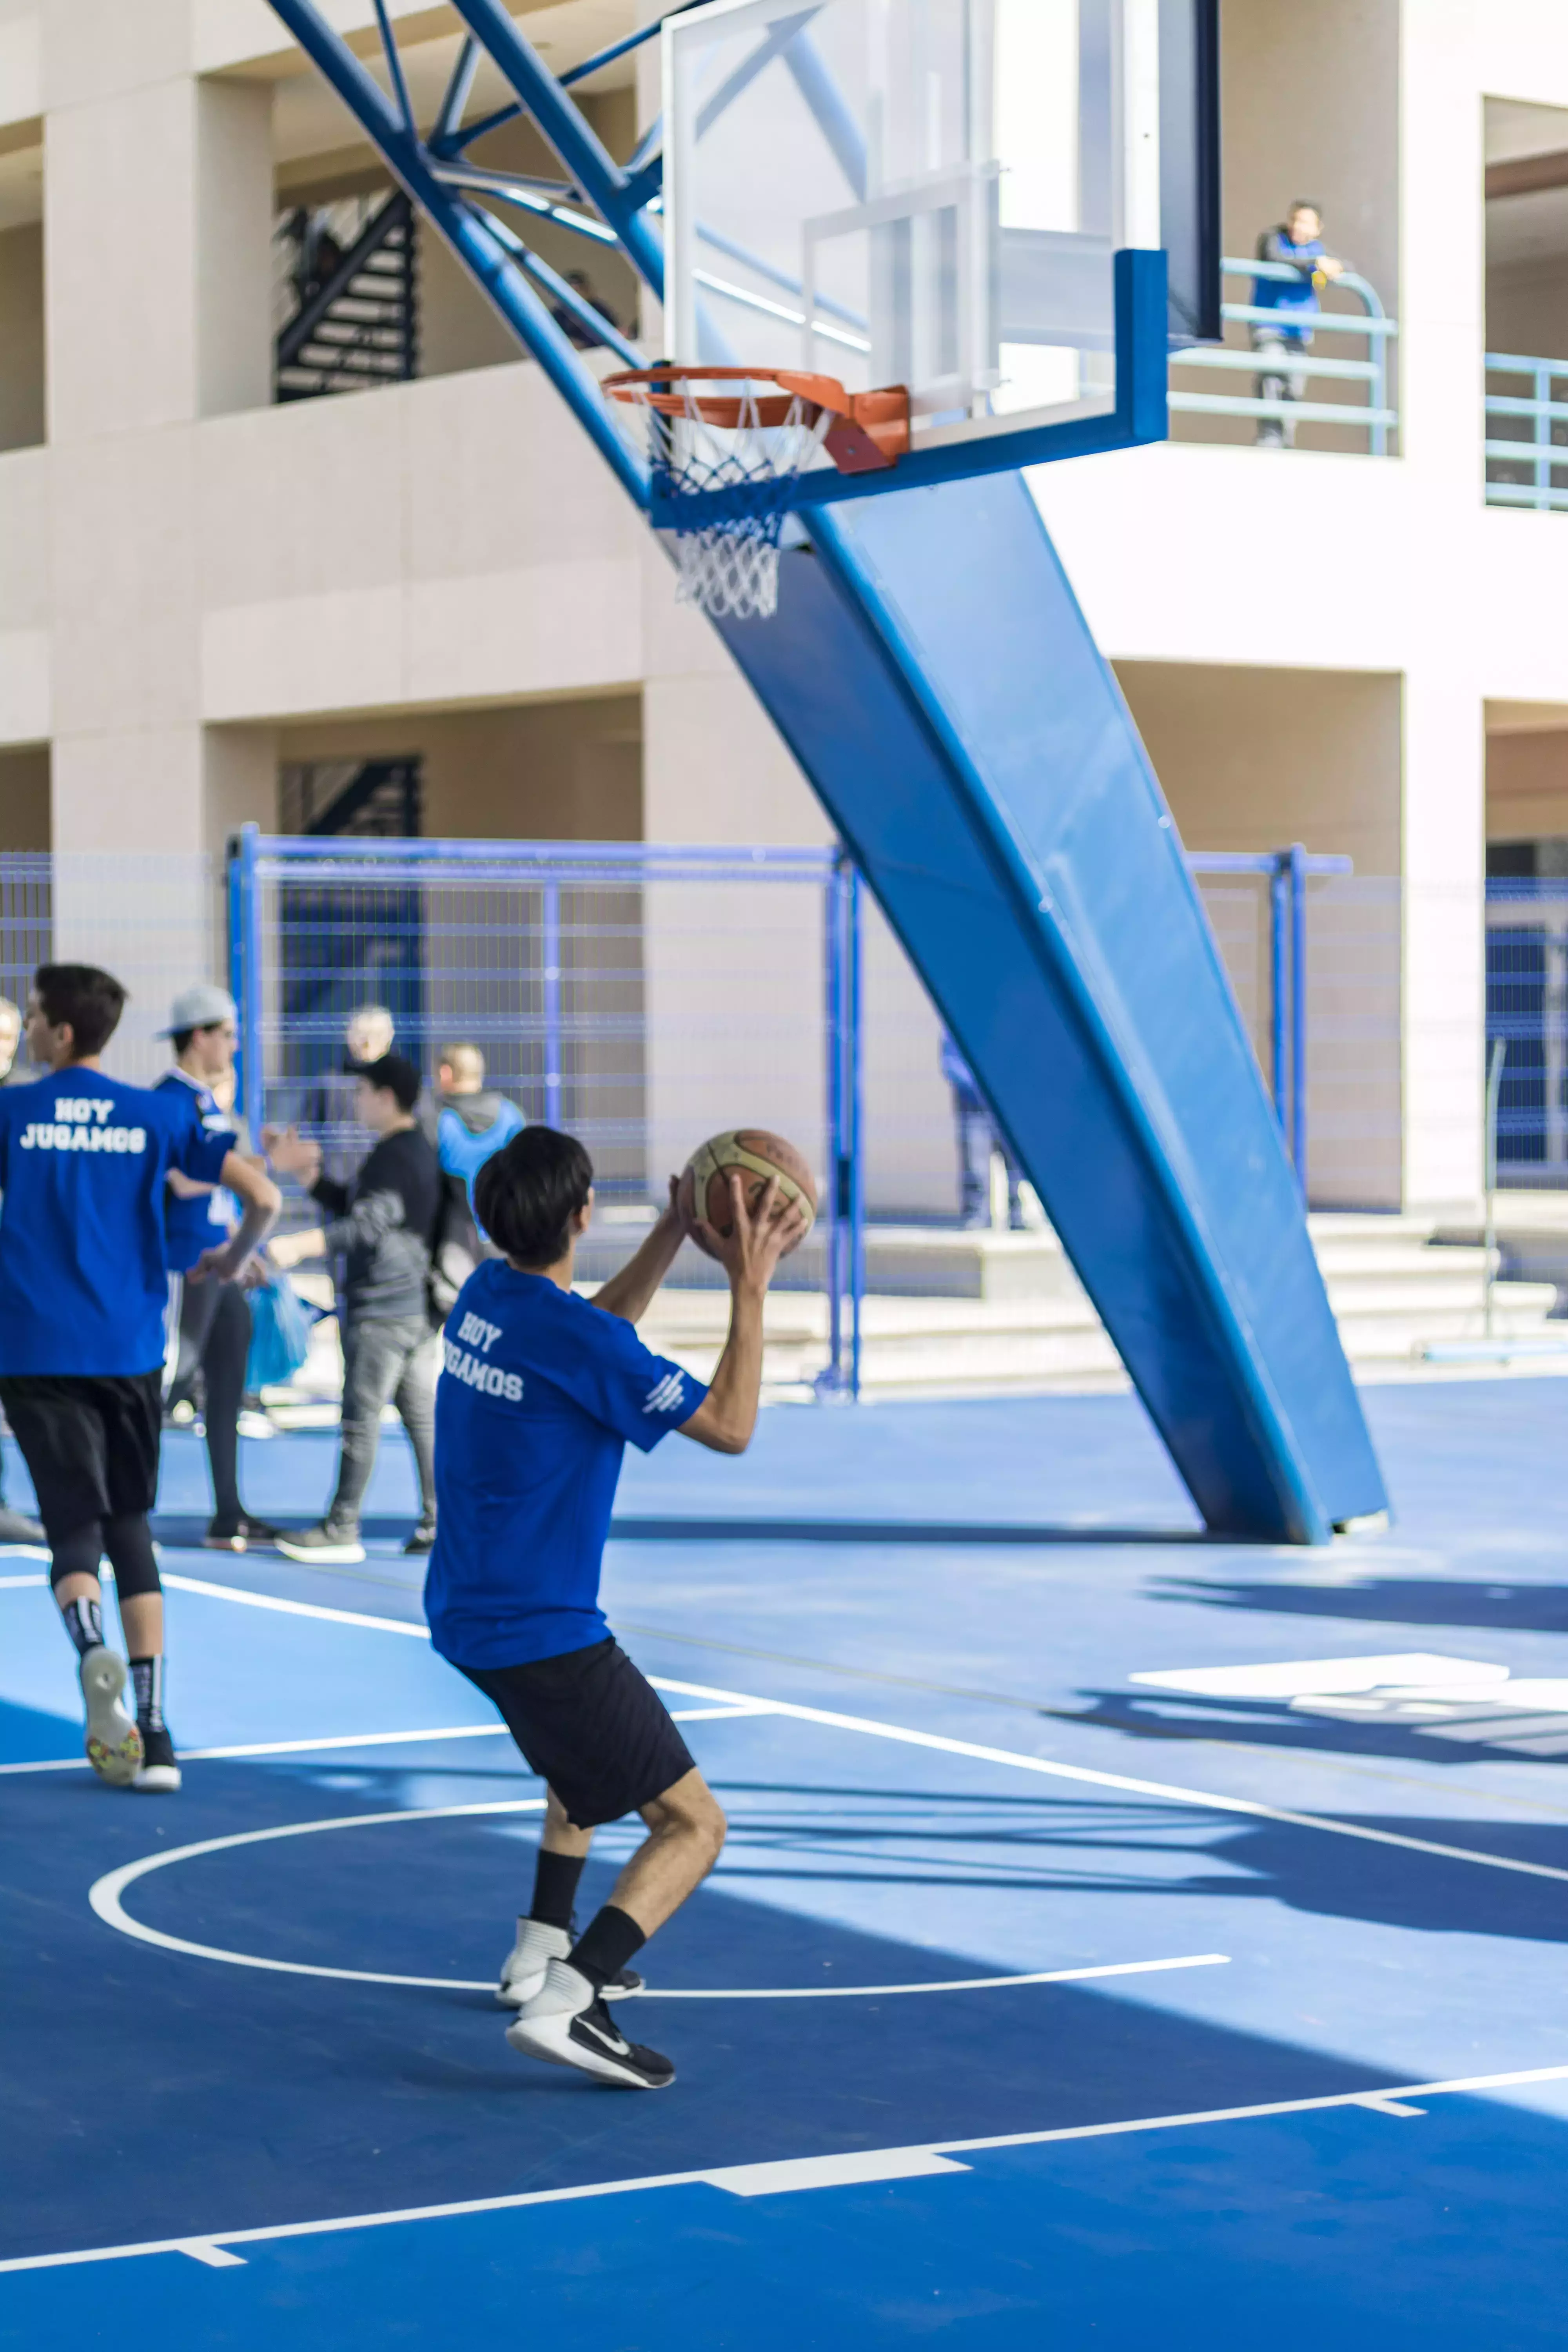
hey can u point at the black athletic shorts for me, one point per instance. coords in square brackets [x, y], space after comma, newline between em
[592, 1727]
[89, 1441]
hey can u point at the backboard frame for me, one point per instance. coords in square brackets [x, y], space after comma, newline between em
[1145, 320]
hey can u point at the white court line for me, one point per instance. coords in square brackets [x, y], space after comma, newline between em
[871, 1730]
[104, 1897]
[741, 2179]
[11, 1583]
[372, 1739]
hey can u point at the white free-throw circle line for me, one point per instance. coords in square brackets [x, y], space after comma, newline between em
[105, 1894]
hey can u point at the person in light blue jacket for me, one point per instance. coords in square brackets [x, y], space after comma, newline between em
[472, 1122]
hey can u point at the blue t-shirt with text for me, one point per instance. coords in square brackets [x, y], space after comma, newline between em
[83, 1163]
[203, 1221]
[539, 1393]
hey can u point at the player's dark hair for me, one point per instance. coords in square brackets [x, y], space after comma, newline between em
[90, 1000]
[394, 1075]
[181, 1038]
[1304, 204]
[528, 1192]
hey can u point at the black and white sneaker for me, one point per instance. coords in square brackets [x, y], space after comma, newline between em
[113, 1742]
[239, 1535]
[159, 1774]
[320, 1547]
[567, 2024]
[422, 1541]
[523, 1971]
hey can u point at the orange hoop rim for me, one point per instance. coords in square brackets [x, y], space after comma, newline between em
[726, 412]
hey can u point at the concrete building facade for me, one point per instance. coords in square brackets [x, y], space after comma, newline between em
[203, 589]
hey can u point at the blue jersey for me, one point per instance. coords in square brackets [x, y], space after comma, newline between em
[83, 1163]
[205, 1221]
[538, 1395]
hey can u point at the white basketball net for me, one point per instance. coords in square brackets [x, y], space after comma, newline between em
[728, 562]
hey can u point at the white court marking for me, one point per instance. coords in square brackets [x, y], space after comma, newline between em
[105, 1897]
[749, 2179]
[1010, 1757]
[373, 1739]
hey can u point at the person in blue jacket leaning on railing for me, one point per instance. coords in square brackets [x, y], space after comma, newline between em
[1298, 243]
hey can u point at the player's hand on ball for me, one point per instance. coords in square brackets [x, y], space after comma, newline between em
[759, 1235]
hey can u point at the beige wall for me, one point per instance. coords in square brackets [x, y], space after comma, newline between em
[24, 798]
[1259, 759]
[1256, 759]
[1527, 786]
[22, 337]
[541, 772]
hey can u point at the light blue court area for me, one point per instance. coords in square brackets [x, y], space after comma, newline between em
[1120, 1932]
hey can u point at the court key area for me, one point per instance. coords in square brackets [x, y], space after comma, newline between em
[1033, 2000]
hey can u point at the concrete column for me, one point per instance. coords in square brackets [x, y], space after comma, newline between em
[1445, 977]
[157, 226]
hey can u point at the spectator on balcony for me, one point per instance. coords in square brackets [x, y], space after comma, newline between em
[1297, 242]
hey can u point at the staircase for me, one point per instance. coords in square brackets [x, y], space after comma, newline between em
[350, 297]
[987, 1313]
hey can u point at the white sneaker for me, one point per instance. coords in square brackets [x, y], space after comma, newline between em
[566, 2024]
[113, 1742]
[522, 1970]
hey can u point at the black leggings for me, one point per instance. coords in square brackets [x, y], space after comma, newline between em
[127, 1539]
[215, 1332]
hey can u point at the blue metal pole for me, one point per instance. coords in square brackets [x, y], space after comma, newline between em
[248, 997]
[234, 908]
[854, 963]
[568, 130]
[551, 950]
[1299, 1013]
[1542, 438]
[1279, 988]
[833, 1378]
[470, 236]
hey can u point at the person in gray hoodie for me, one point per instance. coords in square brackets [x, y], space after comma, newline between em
[383, 1221]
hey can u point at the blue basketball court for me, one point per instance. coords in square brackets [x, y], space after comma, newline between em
[1029, 2002]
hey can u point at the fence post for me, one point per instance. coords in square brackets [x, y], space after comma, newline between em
[244, 973]
[1543, 439]
[855, 961]
[1279, 988]
[551, 952]
[1298, 1013]
[829, 1380]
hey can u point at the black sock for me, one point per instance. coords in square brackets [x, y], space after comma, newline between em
[605, 1945]
[555, 1887]
[147, 1674]
[84, 1622]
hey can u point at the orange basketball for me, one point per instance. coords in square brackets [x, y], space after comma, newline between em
[754, 1154]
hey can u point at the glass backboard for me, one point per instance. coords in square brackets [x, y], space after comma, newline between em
[927, 192]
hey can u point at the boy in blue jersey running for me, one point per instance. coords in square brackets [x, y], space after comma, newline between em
[84, 1164]
[539, 1392]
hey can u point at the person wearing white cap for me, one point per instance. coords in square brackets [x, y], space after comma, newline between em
[214, 1318]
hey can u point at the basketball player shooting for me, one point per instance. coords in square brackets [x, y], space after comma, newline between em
[540, 1392]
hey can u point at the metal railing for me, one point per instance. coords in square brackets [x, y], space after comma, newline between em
[1527, 434]
[1375, 417]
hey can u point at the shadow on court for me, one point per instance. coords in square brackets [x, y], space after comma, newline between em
[214, 2097]
[1271, 1723]
[1491, 1606]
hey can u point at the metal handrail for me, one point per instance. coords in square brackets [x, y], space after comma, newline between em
[1375, 419]
[1540, 452]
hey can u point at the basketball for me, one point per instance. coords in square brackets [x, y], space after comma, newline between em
[754, 1154]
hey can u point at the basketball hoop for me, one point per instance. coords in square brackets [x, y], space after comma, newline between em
[726, 463]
